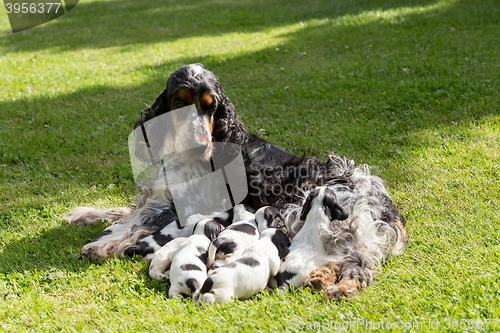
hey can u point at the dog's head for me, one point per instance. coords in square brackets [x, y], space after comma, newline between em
[322, 200]
[209, 118]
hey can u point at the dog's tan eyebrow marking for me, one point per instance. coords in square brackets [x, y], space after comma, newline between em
[206, 100]
[186, 96]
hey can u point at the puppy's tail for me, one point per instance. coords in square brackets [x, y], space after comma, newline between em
[212, 250]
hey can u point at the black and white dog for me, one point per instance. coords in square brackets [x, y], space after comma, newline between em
[372, 230]
[188, 268]
[249, 274]
[350, 224]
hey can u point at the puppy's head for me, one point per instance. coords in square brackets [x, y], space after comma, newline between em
[189, 133]
[208, 227]
[323, 201]
[269, 217]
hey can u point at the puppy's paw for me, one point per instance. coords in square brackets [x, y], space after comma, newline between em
[207, 298]
[159, 276]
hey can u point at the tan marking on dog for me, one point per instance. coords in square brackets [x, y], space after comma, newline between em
[342, 290]
[322, 277]
[404, 232]
[206, 99]
[186, 96]
[403, 237]
[211, 126]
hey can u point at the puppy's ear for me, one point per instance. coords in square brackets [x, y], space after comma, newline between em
[212, 229]
[282, 242]
[331, 208]
[308, 204]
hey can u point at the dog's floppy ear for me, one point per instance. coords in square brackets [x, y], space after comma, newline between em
[308, 204]
[282, 242]
[212, 229]
[331, 208]
[228, 127]
[155, 109]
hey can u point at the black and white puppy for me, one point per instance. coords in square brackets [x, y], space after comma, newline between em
[270, 217]
[148, 246]
[188, 270]
[245, 230]
[345, 227]
[249, 274]
[307, 251]
[163, 258]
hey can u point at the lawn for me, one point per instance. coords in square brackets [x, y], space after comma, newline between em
[410, 87]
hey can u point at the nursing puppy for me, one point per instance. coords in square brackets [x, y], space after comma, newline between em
[348, 229]
[188, 269]
[163, 258]
[249, 274]
[244, 231]
[148, 246]
[308, 251]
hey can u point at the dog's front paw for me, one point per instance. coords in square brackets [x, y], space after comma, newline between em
[99, 250]
[343, 290]
[323, 277]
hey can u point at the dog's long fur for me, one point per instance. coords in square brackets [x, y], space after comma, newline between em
[350, 222]
[373, 230]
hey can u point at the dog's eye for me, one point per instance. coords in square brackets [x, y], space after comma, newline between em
[178, 105]
[211, 108]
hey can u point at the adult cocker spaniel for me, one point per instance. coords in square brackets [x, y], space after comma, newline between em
[341, 220]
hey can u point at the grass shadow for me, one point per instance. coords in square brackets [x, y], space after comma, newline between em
[49, 249]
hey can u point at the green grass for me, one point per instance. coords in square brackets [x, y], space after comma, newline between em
[409, 87]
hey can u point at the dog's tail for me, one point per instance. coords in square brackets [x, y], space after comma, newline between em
[212, 250]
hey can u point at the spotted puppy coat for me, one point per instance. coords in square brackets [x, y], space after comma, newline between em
[186, 258]
[230, 243]
[249, 274]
